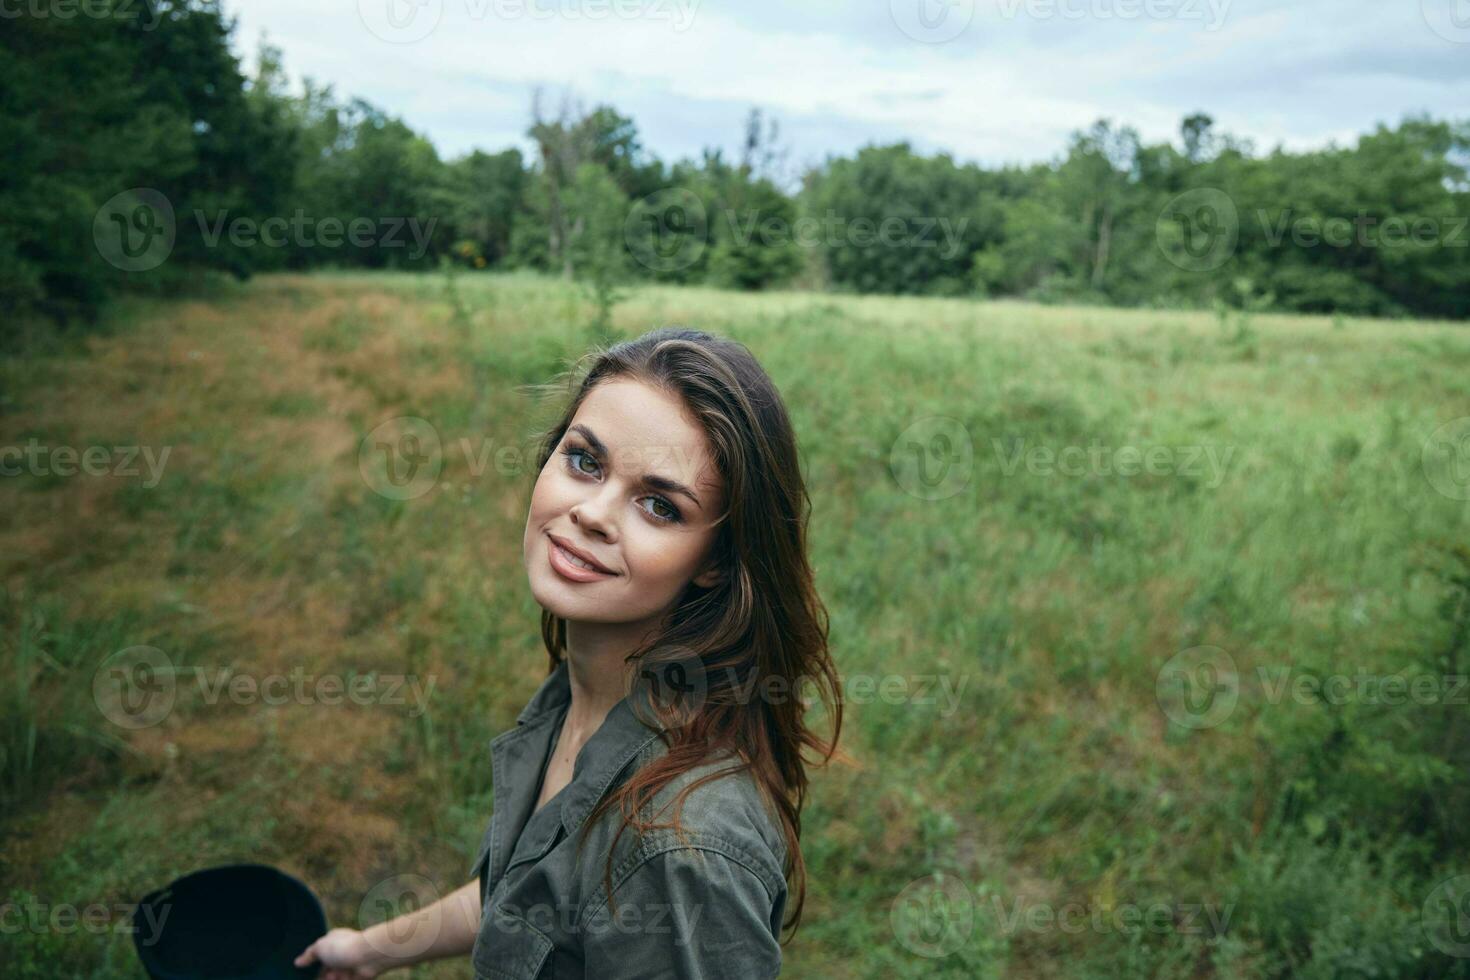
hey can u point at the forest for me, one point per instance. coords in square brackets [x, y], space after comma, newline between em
[141, 132]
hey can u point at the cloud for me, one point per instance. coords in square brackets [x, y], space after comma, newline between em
[1008, 86]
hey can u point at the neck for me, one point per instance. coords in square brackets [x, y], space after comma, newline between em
[596, 672]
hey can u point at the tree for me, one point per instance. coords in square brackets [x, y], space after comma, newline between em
[896, 222]
[597, 207]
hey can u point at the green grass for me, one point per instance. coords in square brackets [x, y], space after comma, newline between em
[1295, 837]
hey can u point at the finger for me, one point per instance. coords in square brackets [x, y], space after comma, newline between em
[307, 957]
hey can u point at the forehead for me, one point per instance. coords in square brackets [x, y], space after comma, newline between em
[648, 431]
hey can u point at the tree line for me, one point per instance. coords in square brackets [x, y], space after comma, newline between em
[140, 151]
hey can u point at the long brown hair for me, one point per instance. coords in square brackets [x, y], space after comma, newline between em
[762, 623]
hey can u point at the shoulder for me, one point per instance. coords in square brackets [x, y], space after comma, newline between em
[686, 912]
[723, 808]
[714, 895]
[723, 817]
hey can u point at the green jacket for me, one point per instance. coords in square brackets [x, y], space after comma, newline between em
[709, 906]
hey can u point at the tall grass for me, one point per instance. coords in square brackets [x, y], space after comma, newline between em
[1299, 834]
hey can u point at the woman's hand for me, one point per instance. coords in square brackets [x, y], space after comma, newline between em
[344, 955]
[445, 928]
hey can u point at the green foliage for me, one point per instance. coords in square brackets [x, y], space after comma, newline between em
[892, 221]
[484, 194]
[96, 105]
[260, 176]
[597, 208]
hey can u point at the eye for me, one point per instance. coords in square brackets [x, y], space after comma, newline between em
[575, 457]
[660, 509]
[673, 512]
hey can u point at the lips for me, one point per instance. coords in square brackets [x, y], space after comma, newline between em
[575, 563]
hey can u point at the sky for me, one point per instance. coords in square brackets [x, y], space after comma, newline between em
[989, 81]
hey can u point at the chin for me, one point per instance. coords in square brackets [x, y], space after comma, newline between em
[560, 599]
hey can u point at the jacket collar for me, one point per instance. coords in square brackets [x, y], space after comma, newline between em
[620, 740]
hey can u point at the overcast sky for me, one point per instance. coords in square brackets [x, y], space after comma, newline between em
[994, 81]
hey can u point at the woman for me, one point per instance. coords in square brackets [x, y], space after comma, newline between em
[648, 802]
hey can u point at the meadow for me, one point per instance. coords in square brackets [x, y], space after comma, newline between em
[1149, 620]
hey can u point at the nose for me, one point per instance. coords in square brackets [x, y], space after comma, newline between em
[594, 513]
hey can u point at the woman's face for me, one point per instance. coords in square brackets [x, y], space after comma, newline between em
[633, 487]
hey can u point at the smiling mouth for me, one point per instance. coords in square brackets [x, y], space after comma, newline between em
[573, 566]
[577, 561]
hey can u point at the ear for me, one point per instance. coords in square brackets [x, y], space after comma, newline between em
[709, 577]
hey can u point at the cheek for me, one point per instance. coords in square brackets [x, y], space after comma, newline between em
[544, 506]
[658, 556]
[551, 492]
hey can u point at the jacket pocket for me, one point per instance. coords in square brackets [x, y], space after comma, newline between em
[530, 850]
[509, 948]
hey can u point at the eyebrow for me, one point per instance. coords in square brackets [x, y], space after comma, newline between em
[651, 480]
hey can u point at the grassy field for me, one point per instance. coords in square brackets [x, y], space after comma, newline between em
[1048, 538]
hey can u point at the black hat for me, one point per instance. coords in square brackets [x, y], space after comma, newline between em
[241, 921]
